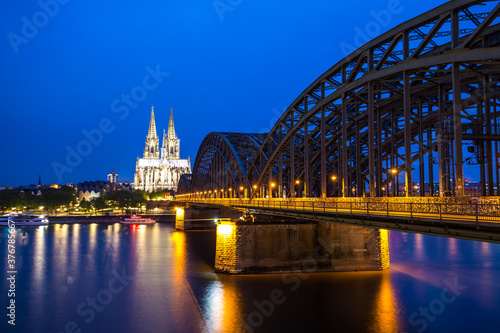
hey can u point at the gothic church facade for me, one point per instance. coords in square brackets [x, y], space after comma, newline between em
[160, 169]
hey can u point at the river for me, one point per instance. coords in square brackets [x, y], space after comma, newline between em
[119, 278]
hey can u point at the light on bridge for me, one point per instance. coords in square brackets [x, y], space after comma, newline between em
[179, 211]
[241, 188]
[255, 187]
[394, 171]
[225, 229]
[273, 184]
[297, 182]
[334, 178]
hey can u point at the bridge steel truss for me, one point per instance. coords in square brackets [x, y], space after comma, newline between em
[222, 163]
[404, 104]
[408, 99]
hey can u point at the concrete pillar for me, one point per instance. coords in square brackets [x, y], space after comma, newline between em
[250, 248]
[199, 218]
[179, 218]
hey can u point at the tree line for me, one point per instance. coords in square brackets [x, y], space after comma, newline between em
[65, 196]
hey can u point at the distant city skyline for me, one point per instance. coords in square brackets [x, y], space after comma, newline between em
[81, 77]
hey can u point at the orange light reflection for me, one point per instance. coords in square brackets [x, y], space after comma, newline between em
[386, 310]
[224, 306]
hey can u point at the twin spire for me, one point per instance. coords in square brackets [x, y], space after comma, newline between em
[171, 128]
[152, 124]
[170, 145]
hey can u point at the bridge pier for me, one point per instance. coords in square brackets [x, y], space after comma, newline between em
[202, 218]
[244, 247]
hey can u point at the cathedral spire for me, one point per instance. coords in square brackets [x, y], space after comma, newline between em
[171, 128]
[152, 124]
[151, 149]
[164, 142]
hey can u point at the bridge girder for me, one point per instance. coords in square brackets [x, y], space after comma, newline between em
[409, 98]
[359, 120]
[222, 162]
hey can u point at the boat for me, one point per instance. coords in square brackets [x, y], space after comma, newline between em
[136, 219]
[20, 218]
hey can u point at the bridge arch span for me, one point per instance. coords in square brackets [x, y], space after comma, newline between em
[401, 106]
[222, 163]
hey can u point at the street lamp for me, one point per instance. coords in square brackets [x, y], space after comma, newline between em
[297, 192]
[394, 172]
[335, 189]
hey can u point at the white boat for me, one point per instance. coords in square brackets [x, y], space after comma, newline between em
[136, 219]
[20, 218]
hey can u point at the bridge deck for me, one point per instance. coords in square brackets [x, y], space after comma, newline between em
[469, 221]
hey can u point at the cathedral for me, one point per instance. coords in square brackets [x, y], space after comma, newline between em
[160, 169]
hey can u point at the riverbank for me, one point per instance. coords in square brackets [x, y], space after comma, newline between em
[71, 219]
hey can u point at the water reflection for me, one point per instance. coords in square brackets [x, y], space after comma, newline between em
[59, 258]
[174, 288]
[452, 248]
[485, 250]
[187, 305]
[39, 262]
[223, 306]
[386, 308]
[419, 247]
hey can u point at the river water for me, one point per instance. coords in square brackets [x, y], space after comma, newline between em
[118, 278]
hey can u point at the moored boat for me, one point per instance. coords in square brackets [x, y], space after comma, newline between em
[136, 219]
[20, 218]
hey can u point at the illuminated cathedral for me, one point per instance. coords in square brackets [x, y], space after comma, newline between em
[160, 169]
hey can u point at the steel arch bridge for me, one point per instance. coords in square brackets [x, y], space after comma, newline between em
[222, 162]
[404, 104]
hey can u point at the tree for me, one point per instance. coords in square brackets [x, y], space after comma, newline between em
[157, 195]
[126, 199]
[55, 198]
[9, 198]
[99, 203]
[31, 201]
[85, 205]
[138, 199]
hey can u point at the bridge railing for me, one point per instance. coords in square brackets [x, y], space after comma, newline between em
[478, 212]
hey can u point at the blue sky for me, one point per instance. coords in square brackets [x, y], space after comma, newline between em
[67, 68]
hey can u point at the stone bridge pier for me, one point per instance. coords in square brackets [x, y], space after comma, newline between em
[266, 246]
[252, 244]
[201, 218]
